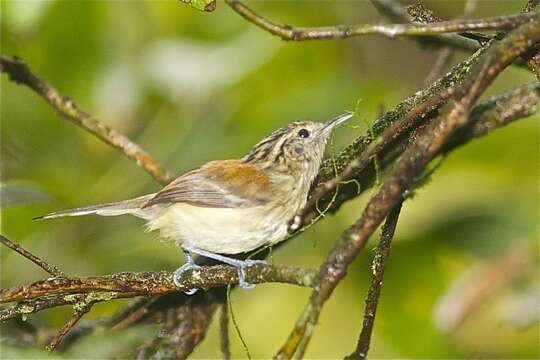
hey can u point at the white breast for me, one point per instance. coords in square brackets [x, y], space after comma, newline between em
[220, 230]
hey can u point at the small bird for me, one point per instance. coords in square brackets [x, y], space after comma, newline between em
[227, 207]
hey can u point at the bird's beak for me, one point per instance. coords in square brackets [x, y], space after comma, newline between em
[338, 120]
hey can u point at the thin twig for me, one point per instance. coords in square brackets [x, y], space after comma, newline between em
[422, 15]
[408, 167]
[356, 158]
[287, 32]
[51, 269]
[379, 262]
[20, 73]
[447, 53]
[23, 308]
[398, 13]
[444, 57]
[224, 332]
[134, 315]
[77, 315]
[235, 323]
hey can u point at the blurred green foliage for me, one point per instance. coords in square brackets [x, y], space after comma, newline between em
[191, 87]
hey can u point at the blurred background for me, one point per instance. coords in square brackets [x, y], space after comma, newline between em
[190, 87]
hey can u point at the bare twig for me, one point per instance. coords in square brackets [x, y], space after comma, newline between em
[51, 269]
[408, 167]
[444, 57]
[20, 73]
[422, 15]
[224, 332]
[287, 32]
[398, 13]
[77, 315]
[134, 314]
[379, 262]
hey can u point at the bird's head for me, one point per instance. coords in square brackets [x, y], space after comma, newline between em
[296, 146]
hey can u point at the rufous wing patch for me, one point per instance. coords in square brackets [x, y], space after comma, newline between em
[222, 183]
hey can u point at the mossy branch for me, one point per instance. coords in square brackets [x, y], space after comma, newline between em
[131, 284]
[413, 133]
[424, 147]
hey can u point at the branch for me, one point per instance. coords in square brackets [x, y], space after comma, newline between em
[354, 162]
[422, 15]
[379, 261]
[20, 73]
[286, 32]
[397, 13]
[77, 315]
[131, 284]
[224, 332]
[409, 166]
[496, 112]
[51, 269]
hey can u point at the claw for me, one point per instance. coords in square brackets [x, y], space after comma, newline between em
[240, 265]
[250, 262]
[189, 265]
[242, 274]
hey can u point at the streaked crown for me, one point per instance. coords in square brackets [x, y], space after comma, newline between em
[294, 146]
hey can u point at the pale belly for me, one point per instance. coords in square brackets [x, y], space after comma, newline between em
[221, 230]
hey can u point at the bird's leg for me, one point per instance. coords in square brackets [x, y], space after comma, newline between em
[189, 265]
[240, 265]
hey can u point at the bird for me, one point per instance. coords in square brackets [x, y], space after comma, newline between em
[228, 207]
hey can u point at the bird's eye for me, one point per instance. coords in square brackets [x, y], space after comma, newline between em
[303, 133]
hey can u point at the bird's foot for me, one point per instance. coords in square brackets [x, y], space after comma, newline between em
[240, 265]
[240, 269]
[189, 265]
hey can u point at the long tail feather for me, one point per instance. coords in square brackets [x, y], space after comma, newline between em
[131, 206]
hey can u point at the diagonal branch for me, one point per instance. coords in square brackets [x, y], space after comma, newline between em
[51, 269]
[20, 73]
[354, 161]
[286, 32]
[409, 166]
[379, 262]
[77, 315]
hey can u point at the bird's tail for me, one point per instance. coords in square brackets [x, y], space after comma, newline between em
[131, 206]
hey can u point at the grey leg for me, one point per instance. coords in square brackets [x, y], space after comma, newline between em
[190, 264]
[240, 265]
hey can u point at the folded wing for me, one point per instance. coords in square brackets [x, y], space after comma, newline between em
[223, 184]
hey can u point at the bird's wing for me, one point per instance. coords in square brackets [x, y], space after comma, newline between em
[224, 184]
